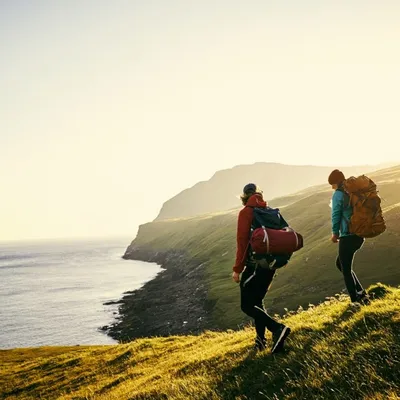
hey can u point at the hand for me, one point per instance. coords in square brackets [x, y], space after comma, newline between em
[236, 276]
[335, 238]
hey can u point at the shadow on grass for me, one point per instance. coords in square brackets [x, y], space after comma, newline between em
[368, 356]
[378, 291]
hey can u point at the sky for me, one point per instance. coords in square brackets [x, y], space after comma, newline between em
[110, 108]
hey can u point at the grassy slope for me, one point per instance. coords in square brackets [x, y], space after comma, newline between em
[333, 353]
[311, 274]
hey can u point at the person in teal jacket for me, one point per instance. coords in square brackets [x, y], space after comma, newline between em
[349, 243]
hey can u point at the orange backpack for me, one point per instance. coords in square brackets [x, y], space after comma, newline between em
[367, 220]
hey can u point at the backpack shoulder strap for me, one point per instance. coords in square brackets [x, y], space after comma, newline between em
[347, 197]
[256, 216]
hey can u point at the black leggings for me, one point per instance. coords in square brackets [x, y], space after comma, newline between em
[348, 246]
[253, 288]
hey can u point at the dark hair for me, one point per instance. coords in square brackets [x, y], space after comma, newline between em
[248, 191]
[336, 177]
[250, 187]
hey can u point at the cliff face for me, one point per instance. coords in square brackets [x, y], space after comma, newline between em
[175, 302]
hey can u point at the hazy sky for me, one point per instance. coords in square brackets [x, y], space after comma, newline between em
[109, 108]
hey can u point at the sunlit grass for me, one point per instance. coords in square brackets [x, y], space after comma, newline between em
[332, 353]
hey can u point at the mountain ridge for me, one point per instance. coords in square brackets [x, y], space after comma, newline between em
[222, 190]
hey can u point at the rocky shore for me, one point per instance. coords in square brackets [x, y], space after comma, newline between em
[175, 302]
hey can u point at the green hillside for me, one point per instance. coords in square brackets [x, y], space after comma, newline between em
[333, 353]
[310, 276]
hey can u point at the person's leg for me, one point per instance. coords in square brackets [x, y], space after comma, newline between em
[359, 287]
[348, 246]
[338, 264]
[361, 292]
[253, 287]
[262, 320]
[279, 331]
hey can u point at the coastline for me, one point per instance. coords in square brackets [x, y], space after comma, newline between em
[173, 303]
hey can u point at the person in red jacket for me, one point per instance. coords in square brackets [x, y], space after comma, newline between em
[255, 281]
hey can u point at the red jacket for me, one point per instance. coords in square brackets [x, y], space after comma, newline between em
[244, 228]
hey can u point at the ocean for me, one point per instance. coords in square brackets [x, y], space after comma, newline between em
[52, 293]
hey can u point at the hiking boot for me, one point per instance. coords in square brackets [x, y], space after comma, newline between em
[363, 298]
[355, 306]
[260, 344]
[278, 338]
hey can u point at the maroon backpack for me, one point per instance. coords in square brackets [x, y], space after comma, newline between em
[275, 241]
[271, 233]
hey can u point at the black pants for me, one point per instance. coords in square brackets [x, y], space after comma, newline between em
[253, 288]
[348, 246]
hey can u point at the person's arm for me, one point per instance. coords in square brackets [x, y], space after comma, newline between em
[242, 239]
[337, 211]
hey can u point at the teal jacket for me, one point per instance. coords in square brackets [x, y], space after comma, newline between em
[341, 213]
